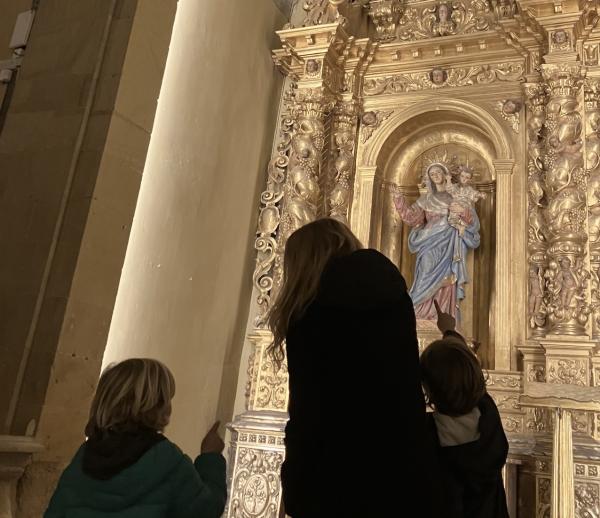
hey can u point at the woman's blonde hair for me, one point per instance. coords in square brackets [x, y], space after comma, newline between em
[307, 253]
[131, 394]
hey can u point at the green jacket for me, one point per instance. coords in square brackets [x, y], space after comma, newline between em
[163, 483]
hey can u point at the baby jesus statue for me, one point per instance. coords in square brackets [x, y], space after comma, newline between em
[464, 195]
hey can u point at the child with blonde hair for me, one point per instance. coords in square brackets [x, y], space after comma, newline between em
[127, 468]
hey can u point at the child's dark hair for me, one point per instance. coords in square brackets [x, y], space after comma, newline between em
[452, 377]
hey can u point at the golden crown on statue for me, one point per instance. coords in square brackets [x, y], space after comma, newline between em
[451, 162]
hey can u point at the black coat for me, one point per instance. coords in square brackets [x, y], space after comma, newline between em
[475, 468]
[357, 443]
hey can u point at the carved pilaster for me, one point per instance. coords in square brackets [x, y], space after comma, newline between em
[345, 120]
[302, 186]
[592, 166]
[537, 243]
[566, 214]
[292, 195]
[270, 217]
[316, 71]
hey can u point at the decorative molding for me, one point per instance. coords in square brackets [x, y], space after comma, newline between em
[445, 19]
[456, 77]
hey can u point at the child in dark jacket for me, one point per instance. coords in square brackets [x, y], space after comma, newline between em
[127, 468]
[472, 445]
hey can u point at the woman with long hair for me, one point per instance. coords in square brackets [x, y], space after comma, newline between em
[345, 321]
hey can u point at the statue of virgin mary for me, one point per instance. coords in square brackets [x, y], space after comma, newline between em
[441, 250]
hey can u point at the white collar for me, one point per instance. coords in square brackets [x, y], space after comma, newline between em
[453, 431]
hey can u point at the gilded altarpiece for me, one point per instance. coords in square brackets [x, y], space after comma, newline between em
[374, 91]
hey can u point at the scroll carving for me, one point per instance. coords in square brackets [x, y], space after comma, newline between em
[483, 74]
[445, 19]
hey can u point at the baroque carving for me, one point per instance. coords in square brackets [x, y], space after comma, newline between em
[385, 14]
[319, 12]
[250, 373]
[592, 165]
[560, 40]
[565, 183]
[544, 491]
[538, 420]
[256, 487]
[509, 110]
[270, 218]
[477, 75]
[512, 424]
[536, 373]
[371, 122]
[505, 381]
[344, 138]
[542, 466]
[504, 9]
[445, 19]
[269, 380]
[587, 498]
[506, 402]
[292, 193]
[567, 371]
[591, 53]
[302, 186]
[535, 96]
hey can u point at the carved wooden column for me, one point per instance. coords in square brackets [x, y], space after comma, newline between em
[344, 133]
[343, 147]
[537, 241]
[567, 300]
[565, 187]
[302, 188]
[592, 167]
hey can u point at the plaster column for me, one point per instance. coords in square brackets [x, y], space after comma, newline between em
[186, 282]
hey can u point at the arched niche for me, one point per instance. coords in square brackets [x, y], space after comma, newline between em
[395, 155]
[401, 162]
